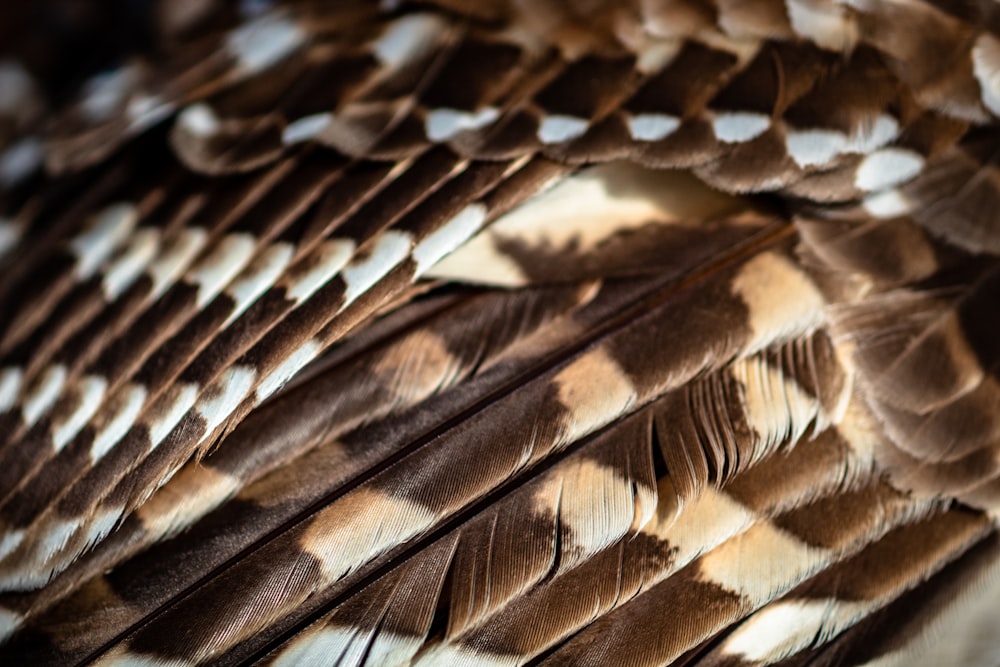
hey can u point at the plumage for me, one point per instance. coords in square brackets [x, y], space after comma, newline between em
[573, 333]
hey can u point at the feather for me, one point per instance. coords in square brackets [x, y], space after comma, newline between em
[654, 332]
[243, 457]
[903, 630]
[573, 415]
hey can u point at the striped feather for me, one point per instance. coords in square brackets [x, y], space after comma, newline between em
[561, 333]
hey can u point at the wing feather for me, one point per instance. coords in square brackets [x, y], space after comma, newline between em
[248, 414]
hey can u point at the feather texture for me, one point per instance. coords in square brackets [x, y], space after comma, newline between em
[571, 333]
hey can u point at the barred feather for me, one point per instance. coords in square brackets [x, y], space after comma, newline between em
[636, 333]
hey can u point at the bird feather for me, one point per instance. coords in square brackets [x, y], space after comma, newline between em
[654, 332]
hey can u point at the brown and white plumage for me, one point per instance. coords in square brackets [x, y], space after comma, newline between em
[530, 333]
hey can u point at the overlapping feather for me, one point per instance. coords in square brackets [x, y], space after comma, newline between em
[683, 412]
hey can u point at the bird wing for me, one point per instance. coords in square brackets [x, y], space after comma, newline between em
[525, 333]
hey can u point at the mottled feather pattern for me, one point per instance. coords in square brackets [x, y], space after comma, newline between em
[570, 333]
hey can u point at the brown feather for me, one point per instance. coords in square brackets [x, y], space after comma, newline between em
[424, 333]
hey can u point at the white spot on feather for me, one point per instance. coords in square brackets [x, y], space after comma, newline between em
[42, 557]
[324, 263]
[225, 395]
[596, 506]
[43, 394]
[288, 368]
[887, 168]
[784, 628]
[595, 391]
[986, 68]
[19, 161]
[104, 94]
[189, 495]
[391, 248]
[199, 120]
[305, 128]
[359, 527]
[144, 111]
[38, 567]
[406, 39]
[264, 42]
[828, 25]
[656, 54]
[557, 128]
[175, 259]
[259, 276]
[222, 264]
[479, 261]
[868, 138]
[443, 124]
[814, 147]
[819, 146]
[10, 386]
[776, 407]
[133, 397]
[652, 126]
[761, 563]
[412, 377]
[782, 301]
[100, 525]
[124, 270]
[10, 621]
[56, 537]
[351, 646]
[10, 540]
[448, 237]
[580, 213]
[91, 389]
[740, 126]
[887, 204]
[110, 228]
[170, 409]
[705, 523]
